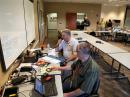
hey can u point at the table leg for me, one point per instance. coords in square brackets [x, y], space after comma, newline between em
[112, 65]
[119, 76]
[119, 68]
[93, 51]
[111, 71]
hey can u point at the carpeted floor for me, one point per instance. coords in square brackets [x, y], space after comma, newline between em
[108, 87]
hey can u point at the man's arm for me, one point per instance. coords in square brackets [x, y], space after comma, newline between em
[58, 43]
[74, 93]
[74, 55]
[60, 46]
[67, 67]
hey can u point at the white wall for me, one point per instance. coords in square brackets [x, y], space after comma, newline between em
[61, 9]
[92, 10]
[113, 12]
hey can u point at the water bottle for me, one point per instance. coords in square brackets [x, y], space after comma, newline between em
[48, 46]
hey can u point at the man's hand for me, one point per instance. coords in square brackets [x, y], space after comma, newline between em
[71, 58]
[55, 68]
[66, 95]
[67, 67]
[74, 93]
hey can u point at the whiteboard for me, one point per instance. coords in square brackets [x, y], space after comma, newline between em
[12, 29]
[29, 18]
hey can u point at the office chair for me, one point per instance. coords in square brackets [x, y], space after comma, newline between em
[127, 39]
[119, 36]
[106, 36]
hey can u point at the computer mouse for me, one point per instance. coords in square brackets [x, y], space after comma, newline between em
[49, 69]
[75, 34]
[98, 42]
[79, 38]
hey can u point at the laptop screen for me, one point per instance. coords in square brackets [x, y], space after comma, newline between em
[38, 86]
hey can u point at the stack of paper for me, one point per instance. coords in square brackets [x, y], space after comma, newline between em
[25, 64]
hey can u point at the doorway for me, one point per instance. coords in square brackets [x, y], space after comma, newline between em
[71, 21]
[52, 21]
[74, 20]
[79, 21]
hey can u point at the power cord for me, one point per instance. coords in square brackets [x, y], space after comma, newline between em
[22, 94]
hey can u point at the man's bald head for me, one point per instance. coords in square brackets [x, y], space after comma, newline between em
[67, 31]
[83, 50]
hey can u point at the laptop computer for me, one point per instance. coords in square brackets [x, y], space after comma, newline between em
[45, 89]
[38, 87]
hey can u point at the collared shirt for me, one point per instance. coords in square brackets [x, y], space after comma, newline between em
[69, 48]
[84, 75]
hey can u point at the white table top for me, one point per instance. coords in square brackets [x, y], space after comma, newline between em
[26, 89]
[123, 58]
[103, 46]
[103, 31]
[116, 53]
[125, 32]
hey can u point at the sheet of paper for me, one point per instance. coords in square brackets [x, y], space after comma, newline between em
[50, 60]
[52, 52]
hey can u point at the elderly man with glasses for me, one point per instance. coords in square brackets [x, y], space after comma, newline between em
[85, 74]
